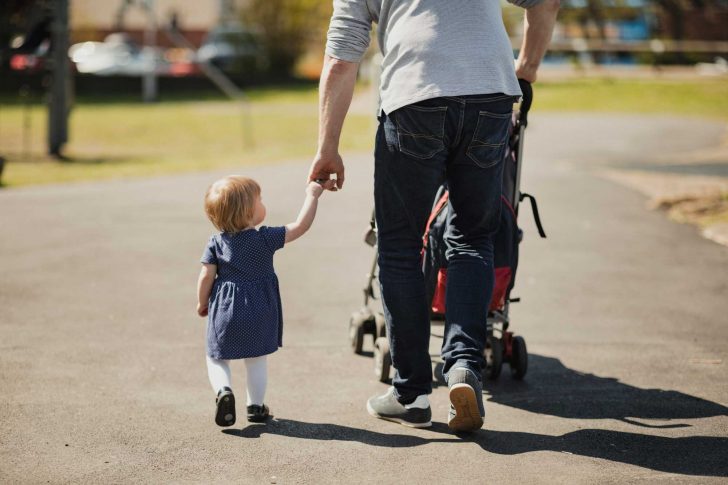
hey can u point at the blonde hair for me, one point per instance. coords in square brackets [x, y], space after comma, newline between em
[230, 203]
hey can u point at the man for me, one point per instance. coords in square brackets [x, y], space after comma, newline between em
[447, 90]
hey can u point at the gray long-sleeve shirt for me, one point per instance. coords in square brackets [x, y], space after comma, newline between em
[431, 48]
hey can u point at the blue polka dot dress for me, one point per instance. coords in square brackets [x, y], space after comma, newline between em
[245, 315]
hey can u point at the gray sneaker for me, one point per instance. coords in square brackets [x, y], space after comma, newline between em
[466, 400]
[414, 415]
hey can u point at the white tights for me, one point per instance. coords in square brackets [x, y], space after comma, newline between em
[257, 370]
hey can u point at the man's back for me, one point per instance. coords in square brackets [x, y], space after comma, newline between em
[431, 48]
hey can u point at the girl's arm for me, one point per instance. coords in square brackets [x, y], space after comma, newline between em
[204, 287]
[294, 230]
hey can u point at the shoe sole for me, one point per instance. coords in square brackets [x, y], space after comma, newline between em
[467, 413]
[225, 415]
[401, 421]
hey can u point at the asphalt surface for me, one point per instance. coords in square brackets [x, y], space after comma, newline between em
[102, 375]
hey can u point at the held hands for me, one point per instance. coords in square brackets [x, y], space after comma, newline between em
[317, 187]
[323, 166]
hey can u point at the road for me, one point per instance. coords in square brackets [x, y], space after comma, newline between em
[625, 315]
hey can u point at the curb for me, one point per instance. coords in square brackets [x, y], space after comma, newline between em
[717, 233]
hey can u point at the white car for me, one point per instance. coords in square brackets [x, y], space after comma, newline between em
[117, 55]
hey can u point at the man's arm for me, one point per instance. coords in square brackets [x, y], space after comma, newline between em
[347, 40]
[538, 26]
[335, 92]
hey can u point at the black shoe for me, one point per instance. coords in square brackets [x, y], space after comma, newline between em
[258, 414]
[225, 402]
[466, 400]
[387, 407]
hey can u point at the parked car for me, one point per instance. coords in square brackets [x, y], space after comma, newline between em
[233, 49]
[117, 55]
[30, 62]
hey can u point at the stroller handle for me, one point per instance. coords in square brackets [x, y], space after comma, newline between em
[526, 101]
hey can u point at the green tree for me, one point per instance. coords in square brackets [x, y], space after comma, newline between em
[287, 28]
[675, 10]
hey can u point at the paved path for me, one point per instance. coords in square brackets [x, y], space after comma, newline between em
[102, 373]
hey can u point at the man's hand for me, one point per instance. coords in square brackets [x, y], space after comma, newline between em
[201, 310]
[323, 166]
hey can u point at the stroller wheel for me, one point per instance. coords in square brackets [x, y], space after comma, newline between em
[382, 359]
[519, 358]
[356, 333]
[493, 358]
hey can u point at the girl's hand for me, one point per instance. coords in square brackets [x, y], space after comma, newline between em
[201, 310]
[315, 189]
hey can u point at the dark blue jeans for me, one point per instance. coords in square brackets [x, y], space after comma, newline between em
[461, 141]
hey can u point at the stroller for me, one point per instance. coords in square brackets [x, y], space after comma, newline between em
[501, 346]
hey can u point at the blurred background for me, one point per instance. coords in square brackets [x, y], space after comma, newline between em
[116, 88]
[101, 366]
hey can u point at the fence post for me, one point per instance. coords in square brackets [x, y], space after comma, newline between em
[58, 107]
[149, 80]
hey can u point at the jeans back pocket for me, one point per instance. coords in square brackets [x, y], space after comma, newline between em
[420, 130]
[489, 138]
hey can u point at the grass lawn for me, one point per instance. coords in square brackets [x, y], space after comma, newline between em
[127, 138]
[120, 137]
[706, 98]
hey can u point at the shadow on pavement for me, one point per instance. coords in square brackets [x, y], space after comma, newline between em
[336, 432]
[551, 388]
[695, 455]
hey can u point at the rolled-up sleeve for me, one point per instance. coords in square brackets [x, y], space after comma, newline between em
[349, 30]
[524, 3]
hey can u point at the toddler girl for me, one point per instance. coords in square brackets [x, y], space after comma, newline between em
[238, 289]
